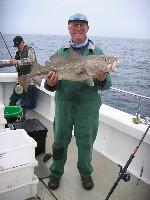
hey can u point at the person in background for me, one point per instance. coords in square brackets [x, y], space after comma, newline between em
[77, 105]
[23, 60]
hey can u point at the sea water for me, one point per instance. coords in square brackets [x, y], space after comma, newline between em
[133, 72]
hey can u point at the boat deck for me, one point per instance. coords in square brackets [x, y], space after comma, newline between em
[104, 175]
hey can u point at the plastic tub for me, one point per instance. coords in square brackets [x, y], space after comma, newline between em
[20, 192]
[17, 175]
[11, 113]
[2, 107]
[3, 122]
[16, 148]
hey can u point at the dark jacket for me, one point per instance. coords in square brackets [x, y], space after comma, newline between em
[24, 67]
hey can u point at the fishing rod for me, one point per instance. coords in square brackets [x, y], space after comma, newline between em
[122, 174]
[6, 45]
[7, 49]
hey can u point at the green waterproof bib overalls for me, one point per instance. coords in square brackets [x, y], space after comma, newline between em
[77, 108]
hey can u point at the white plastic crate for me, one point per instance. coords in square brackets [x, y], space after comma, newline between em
[16, 148]
[4, 130]
[21, 192]
[2, 107]
[2, 122]
[17, 176]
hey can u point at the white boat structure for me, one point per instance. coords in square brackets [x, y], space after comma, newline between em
[117, 138]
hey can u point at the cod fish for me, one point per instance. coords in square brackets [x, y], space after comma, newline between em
[75, 68]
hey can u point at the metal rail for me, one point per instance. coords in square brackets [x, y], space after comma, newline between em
[139, 97]
[129, 93]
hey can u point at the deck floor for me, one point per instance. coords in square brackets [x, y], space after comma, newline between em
[104, 175]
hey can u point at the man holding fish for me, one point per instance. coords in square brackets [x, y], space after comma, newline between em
[77, 102]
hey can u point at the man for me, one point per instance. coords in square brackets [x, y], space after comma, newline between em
[77, 104]
[23, 60]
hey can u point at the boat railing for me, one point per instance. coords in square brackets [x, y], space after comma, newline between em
[139, 97]
[130, 93]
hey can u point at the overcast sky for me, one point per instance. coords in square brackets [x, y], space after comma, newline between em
[113, 18]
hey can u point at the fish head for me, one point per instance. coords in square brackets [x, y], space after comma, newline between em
[103, 63]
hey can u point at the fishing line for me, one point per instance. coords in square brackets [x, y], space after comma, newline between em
[49, 189]
[8, 49]
[6, 45]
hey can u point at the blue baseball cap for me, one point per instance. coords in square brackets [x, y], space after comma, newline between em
[78, 17]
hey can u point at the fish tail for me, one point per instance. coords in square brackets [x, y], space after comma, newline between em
[23, 81]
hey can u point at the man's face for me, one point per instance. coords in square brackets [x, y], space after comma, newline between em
[21, 45]
[78, 31]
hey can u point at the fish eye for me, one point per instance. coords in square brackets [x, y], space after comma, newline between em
[105, 58]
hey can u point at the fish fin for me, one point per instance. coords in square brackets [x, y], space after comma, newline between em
[90, 82]
[35, 67]
[50, 65]
[73, 55]
[23, 81]
[56, 59]
[37, 80]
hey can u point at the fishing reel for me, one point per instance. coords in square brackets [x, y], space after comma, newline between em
[19, 89]
[125, 175]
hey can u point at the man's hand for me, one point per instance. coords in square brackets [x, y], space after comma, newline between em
[52, 78]
[101, 76]
[13, 61]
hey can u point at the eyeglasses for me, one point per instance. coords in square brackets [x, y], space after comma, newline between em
[74, 26]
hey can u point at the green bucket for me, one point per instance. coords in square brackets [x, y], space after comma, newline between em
[13, 111]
